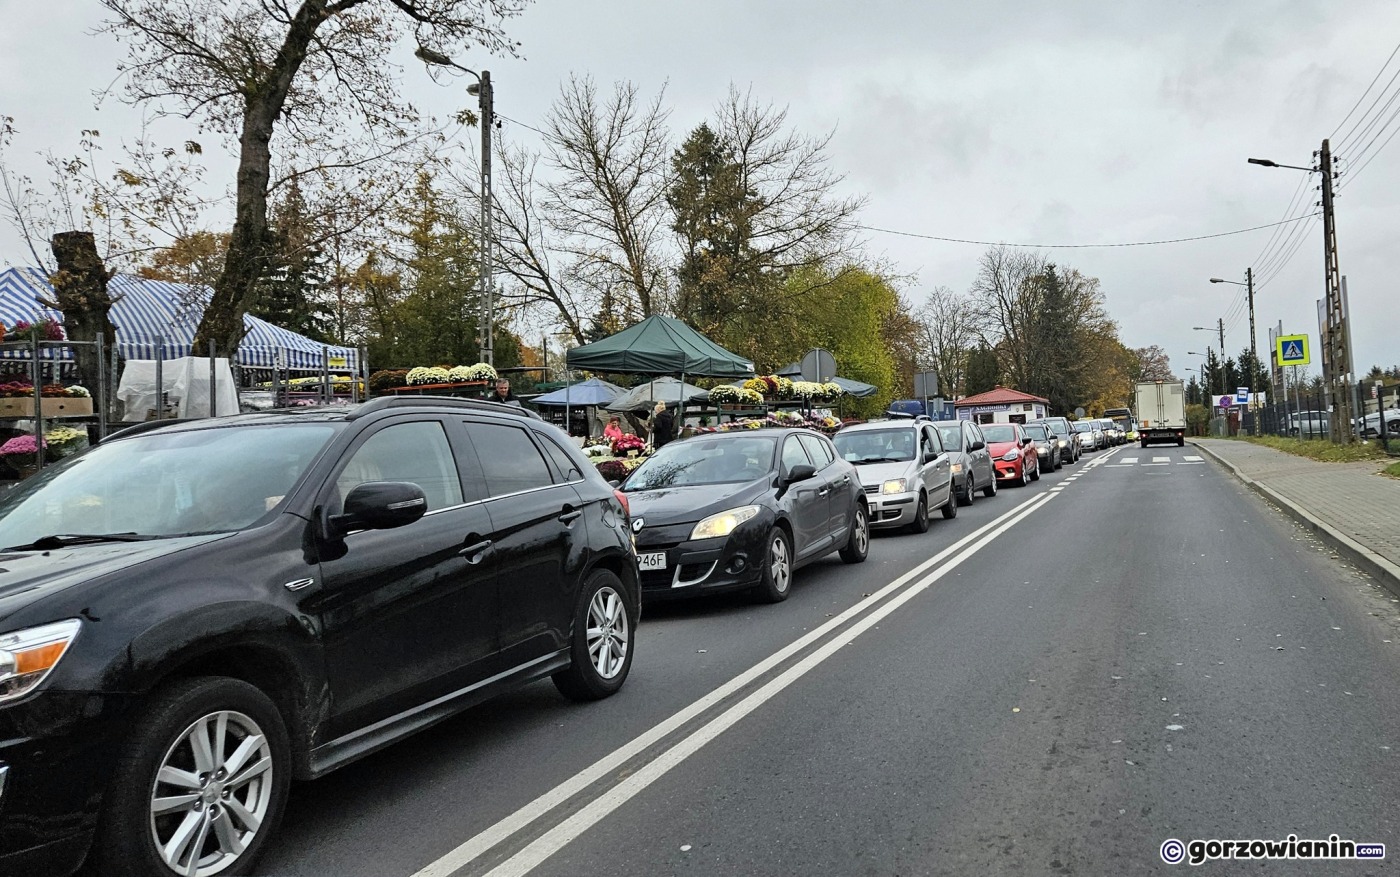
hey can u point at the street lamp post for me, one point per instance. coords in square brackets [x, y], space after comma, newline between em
[486, 104]
[1207, 355]
[1253, 349]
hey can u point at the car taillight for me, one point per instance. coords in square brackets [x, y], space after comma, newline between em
[622, 498]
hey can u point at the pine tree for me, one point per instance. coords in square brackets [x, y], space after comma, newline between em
[290, 294]
[983, 371]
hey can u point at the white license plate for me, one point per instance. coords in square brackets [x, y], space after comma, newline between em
[654, 560]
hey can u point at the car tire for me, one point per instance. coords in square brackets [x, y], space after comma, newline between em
[969, 492]
[1025, 474]
[858, 543]
[950, 508]
[1144, 444]
[1181, 443]
[602, 635]
[777, 568]
[1035, 476]
[991, 489]
[920, 522]
[229, 742]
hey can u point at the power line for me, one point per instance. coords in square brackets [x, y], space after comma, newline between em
[1355, 155]
[1352, 175]
[1281, 265]
[1368, 89]
[1202, 237]
[521, 124]
[1277, 257]
[1341, 144]
[1278, 233]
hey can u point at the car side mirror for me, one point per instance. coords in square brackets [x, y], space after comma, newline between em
[930, 456]
[801, 472]
[976, 446]
[1025, 441]
[380, 505]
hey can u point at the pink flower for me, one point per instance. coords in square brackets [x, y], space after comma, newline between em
[21, 444]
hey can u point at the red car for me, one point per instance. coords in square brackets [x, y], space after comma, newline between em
[1013, 452]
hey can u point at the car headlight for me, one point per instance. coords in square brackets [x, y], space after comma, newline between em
[957, 468]
[1063, 443]
[723, 524]
[1010, 456]
[27, 656]
[895, 485]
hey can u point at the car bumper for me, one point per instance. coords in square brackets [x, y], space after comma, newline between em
[56, 753]
[889, 510]
[1008, 470]
[702, 566]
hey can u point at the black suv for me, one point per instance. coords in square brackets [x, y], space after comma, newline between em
[193, 614]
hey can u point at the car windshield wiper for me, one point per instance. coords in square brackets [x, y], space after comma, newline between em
[63, 540]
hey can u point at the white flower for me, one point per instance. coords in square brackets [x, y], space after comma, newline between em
[79, 392]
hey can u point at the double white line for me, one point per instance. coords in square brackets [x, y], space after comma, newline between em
[872, 610]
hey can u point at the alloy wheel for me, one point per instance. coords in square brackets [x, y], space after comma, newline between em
[779, 563]
[211, 794]
[607, 632]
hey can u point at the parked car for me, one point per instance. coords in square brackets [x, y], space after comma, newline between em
[1047, 447]
[192, 614]
[1090, 435]
[1112, 432]
[1370, 425]
[742, 511]
[1310, 424]
[971, 462]
[1066, 439]
[1013, 452]
[903, 469]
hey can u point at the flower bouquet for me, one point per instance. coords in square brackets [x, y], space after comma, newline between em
[433, 375]
[467, 373]
[46, 329]
[622, 446]
[65, 441]
[727, 395]
[21, 453]
[612, 470]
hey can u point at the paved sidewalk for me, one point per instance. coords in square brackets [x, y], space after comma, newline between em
[1349, 504]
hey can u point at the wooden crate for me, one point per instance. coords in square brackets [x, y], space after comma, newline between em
[56, 406]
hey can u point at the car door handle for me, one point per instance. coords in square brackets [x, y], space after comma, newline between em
[824, 491]
[473, 553]
[570, 515]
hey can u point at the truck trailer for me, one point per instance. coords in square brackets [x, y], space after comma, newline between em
[1161, 412]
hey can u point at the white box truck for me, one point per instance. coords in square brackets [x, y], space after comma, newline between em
[1161, 412]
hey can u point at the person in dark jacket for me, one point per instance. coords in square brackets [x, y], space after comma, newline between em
[502, 392]
[663, 425]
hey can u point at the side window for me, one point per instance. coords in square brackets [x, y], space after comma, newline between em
[815, 450]
[975, 434]
[414, 452]
[931, 437]
[563, 463]
[828, 451]
[793, 455]
[510, 462]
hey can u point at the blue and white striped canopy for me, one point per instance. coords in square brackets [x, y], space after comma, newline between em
[149, 311]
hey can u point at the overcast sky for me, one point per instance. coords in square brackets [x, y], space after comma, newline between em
[1050, 123]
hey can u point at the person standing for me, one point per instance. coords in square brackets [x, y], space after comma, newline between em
[613, 431]
[502, 393]
[663, 425]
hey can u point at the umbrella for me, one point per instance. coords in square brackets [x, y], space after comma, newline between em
[668, 390]
[594, 391]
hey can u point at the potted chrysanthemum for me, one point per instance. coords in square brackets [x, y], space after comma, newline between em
[21, 454]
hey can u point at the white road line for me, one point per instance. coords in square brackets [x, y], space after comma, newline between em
[558, 837]
[502, 830]
[1161, 459]
[1193, 459]
[1129, 460]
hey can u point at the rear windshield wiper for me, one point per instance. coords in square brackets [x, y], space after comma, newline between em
[63, 540]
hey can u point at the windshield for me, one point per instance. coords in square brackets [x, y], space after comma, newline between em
[1038, 433]
[999, 433]
[165, 483]
[705, 461]
[952, 437]
[876, 445]
[1081, 426]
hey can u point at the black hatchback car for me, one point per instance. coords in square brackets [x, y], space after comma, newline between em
[194, 614]
[743, 510]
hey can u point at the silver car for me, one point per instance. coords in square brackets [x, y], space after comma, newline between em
[904, 470]
[972, 463]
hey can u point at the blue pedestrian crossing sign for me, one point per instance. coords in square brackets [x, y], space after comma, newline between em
[1292, 350]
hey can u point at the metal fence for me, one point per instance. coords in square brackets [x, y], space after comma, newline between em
[1306, 413]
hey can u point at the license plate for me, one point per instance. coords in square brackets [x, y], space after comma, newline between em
[654, 560]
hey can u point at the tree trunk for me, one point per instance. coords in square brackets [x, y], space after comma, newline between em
[80, 291]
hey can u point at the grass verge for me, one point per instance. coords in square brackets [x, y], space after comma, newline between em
[1321, 449]
[1393, 470]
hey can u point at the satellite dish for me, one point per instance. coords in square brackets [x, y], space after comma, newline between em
[818, 365]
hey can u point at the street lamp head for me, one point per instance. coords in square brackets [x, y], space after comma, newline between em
[1264, 162]
[428, 56]
[1218, 280]
[1203, 328]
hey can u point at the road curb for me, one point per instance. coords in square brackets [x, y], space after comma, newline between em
[1377, 567]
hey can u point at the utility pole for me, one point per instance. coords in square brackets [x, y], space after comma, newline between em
[1253, 353]
[1337, 342]
[487, 122]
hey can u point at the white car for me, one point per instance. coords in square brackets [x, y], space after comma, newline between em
[1370, 425]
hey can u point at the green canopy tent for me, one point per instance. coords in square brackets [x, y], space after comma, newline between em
[659, 346]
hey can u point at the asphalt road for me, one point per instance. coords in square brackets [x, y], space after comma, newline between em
[1055, 682]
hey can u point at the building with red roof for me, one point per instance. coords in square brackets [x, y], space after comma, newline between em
[1002, 405]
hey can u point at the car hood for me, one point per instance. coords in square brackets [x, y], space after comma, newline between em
[998, 448]
[27, 576]
[685, 505]
[879, 473]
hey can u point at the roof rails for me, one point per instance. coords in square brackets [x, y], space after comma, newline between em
[382, 402]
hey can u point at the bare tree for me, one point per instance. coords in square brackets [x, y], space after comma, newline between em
[314, 72]
[950, 328]
[1008, 304]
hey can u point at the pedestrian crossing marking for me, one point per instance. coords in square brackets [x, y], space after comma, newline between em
[1161, 459]
[1192, 459]
[1129, 460]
